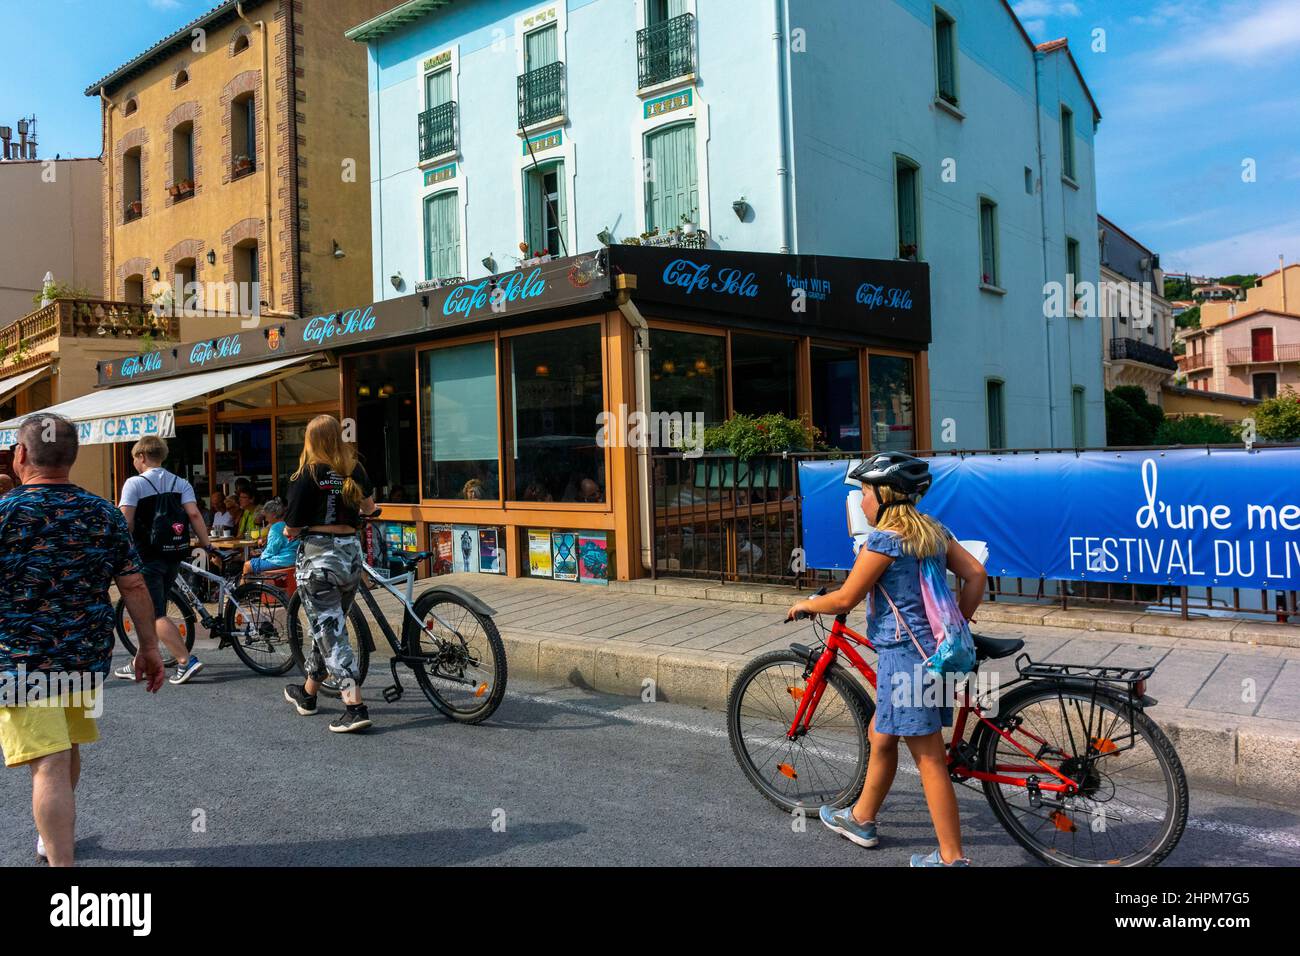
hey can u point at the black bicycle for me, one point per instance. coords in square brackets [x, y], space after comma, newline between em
[252, 618]
[448, 640]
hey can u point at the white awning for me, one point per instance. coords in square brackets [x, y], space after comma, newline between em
[14, 382]
[129, 412]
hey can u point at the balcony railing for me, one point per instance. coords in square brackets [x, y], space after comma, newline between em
[665, 51]
[1251, 354]
[438, 131]
[541, 94]
[1135, 350]
[1193, 363]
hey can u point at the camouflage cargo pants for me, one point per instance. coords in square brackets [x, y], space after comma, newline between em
[328, 572]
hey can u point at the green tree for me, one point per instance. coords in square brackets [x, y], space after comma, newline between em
[1194, 430]
[1130, 418]
[1191, 319]
[1177, 289]
[1245, 281]
[1278, 419]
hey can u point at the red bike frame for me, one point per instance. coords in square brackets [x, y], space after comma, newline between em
[841, 639]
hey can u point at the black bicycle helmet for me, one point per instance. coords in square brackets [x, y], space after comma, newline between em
[906, 474]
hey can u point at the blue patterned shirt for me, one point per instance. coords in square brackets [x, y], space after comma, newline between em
[60, 549]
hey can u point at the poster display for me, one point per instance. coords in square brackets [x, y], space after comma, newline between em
[539, 553]
[489, 552]
[464, 548]
[593, 558]
[440, 545]
[564, 555]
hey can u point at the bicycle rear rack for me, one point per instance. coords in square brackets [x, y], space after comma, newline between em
[1030, 670]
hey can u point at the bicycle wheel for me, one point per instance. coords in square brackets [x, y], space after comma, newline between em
[463, 666]
[828, 764]
[257, 621]
[178, 609]
[300, 637]
[1132, 802]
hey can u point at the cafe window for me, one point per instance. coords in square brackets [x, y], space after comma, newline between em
[546, 208]
[290, 436]
[893, 402]
[836, 397]
[557, 392]
[244, 450]
[672, 188]
[442, 236]
[458, 413]
[763, 375]
[688, 375]
[384, 392]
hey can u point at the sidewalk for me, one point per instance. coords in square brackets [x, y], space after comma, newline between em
[1232, 707]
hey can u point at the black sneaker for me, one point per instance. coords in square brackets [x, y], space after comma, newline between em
[302, 701]
[355, 718]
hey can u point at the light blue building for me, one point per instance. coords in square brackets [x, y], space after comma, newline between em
[872, 129]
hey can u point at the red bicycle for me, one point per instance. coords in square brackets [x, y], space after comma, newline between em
[1068, 759]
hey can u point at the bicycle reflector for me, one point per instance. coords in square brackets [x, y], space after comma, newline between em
[1062, 822]
[1103, 745]
[795, 692]
[787, 771]
[480, 690]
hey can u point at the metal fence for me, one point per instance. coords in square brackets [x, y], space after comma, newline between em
[718, 518]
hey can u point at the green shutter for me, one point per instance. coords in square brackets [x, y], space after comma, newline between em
[1080, 420]
[673, 189]
[988, 242]
[533, 200]
[907, 232]
[536, 212]
[541, 48]
[437, 88]
[562, 212]
[442, 243]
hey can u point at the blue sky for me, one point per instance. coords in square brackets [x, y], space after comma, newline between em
[1188, 90]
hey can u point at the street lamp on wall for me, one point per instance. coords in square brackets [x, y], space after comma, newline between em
[396, 280]
[212, 257]
[490, 263]
[742, 208]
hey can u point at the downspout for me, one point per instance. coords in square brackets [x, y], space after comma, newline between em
[110, 290]
[295, 210]
[266, 149]
[1042, 216]
[780, 21]
[641, 375]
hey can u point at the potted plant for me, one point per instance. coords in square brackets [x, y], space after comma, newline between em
[174, 190]
[745, 437]
[907, 250]
[688, 223]
[243, 164]
[134, 207]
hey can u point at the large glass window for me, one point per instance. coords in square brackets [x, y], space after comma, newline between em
[763, 375]
[385, 390]
[442, 236]
[672, 188]
[836, 397]
[290, 436]
[546, 206]
[557, 390]
[244, 451]
[458, 409]
[541, 48]
[688, 374]
[187, 456]
[893, 403]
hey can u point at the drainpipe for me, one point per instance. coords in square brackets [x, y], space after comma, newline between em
[1042, 216]
[780, 21]
[266, 150]
[295, 210]
[107, 151]
[641, 375]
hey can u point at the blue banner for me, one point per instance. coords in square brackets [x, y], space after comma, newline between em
[1222, 518]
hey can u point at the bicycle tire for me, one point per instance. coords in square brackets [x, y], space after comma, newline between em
[184, 612]
[488, 683]
[1162, 748]
[359, 637]
[857, 705]
[253, 595]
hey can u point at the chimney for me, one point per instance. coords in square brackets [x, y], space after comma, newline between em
[6, 134]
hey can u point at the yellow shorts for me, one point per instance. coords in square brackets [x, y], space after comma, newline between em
[27, 733]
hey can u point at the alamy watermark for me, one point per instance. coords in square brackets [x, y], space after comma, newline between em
[682, 431]
[23, 688]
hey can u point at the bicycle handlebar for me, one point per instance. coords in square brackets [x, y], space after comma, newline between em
[804, 615]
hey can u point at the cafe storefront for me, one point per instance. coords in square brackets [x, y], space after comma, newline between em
[478, 408]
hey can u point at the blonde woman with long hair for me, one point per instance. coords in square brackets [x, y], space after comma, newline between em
[908, 704]
[328, 495]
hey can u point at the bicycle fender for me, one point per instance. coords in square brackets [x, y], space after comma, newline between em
[475, 603]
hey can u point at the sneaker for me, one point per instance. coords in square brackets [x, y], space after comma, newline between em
[843, 823]
[355, 718]
[40, 849]
[126, 672]
[934, 859]
[302, 701]
[187, 670]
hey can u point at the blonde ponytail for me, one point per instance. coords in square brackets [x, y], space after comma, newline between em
[324, 445]
[921, 536]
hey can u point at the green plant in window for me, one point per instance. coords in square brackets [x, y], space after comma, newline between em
[746, 436]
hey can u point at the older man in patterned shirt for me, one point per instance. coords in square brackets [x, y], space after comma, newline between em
[60, 549]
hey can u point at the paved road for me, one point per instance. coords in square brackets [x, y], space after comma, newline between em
[582, 778]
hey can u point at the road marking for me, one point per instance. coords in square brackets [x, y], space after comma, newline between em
[1279, 838]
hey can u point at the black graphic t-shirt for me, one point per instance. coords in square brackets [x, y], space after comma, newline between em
[316, 498]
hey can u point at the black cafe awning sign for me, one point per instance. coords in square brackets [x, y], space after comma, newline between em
[871, 298]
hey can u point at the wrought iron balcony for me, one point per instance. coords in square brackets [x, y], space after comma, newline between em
[541, 94]
[1135, 350]
[438, 131]
[665, 51]
[1193, 362]
[1252, 354]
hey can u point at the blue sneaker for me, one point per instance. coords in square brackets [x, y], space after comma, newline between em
[185, 671]
[934, 859]
[842, 822]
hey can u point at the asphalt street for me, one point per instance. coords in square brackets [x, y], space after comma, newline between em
[223, 772]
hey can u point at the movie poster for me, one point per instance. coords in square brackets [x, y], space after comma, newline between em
[539, 553]
[464, 548]
[593, 558]
[440, 545]
[489, 554]
[564, 555]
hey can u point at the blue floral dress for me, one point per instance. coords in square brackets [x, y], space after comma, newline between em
[908, 697]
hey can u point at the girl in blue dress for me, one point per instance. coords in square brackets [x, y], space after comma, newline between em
[910, 700]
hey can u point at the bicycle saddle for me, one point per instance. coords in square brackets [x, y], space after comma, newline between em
[992, 648]
[410, 560]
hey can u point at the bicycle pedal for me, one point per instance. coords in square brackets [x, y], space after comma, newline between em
[393, 693]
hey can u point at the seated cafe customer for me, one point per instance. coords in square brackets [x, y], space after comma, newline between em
[247, 522]
[228, 517]
[280, 551]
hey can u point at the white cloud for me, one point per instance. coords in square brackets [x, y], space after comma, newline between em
[1045, 8]
[1255, 250]
[1243, 35]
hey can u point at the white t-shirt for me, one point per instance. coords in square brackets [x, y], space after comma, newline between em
[163, 482]
[222, 519]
